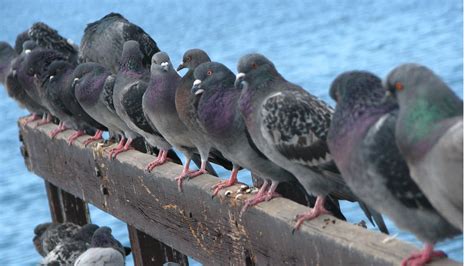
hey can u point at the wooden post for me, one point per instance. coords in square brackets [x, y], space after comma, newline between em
[54, 202]
[65, 207]
[148, 251]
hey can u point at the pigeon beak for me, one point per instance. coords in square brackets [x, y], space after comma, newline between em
[165, 66]
[27, 51]
[196, 89]
[14, 73]
[74, 82]
[239, 79]
[388, 96]
[181, 66]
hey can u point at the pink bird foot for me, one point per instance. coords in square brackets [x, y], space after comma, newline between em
[422, 257]
[97, 136]
[316, 211]
[262, 195]
[121, 148]
[74, 136]
[160, 160]
[60, 128]
[183, 175]
[29, 119]
[45, 120]
[202, 170]
[226, 183]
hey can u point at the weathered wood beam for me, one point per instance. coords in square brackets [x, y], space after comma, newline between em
[65, 207]
[209, 230]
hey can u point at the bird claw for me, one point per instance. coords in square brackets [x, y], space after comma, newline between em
[154, 163]
[422, 257]
[219, 186]
[307, 216]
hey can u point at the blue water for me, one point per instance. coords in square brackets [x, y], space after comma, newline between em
[310, 42]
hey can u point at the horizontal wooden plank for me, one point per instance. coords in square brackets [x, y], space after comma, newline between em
[209, 230]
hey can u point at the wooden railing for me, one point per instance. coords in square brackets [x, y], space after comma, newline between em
[164, 223]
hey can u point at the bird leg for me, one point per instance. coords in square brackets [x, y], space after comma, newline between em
[316, 211]
[226, 183]
[32, 117]
[121, 148]
[423, 257]
[60, 128]
[202, 170]
[97, 136]
[45, 120]
[262, 195]
[74, 136]
[160, 159]
[183, 174]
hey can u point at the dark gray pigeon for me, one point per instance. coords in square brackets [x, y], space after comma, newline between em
[429, 133]
[56, 233]
[131, 83]
[46, 37]
[159, 106]
[219, 116]
[362, 142]
[185, 106]
[56, 86]
[103, 41]
[69, 249]
[104, 250]
[93, 87]
[289, 126]
[7, 54]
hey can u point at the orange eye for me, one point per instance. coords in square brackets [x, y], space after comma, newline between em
[399, 86]
[209, 72]
[254, 65]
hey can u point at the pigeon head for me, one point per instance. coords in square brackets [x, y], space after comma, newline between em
[193, 58]
[56, 70]
[103, 238]
[411, 81]
[7, 54]
[37, 62]
[28, 46]
[211, 75]
[132, 56]
[357, 87]
[254, 67]
[160, 63]
[88, 68]
[86, 232]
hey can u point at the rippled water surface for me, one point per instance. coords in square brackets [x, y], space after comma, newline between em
[310, 42]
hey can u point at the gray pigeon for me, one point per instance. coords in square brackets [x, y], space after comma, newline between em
[429, 133]
[68, 249]
[103, 41]
[55, 233]
[218, 114]
[39, 230]
[131, 83]
[159, 106]
[93, 87]
[186, 109]
[104, 250]
[290, 126]
[362, 142]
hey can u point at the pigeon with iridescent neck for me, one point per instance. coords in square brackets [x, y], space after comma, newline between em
[290, 126]
[362, 142]
[429, 133]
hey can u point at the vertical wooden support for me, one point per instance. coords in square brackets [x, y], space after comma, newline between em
[65, 207]
[149, 251]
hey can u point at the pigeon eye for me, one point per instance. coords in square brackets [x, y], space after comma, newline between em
[209, 72]
[188, 58]
[254, 65]
[399, 86]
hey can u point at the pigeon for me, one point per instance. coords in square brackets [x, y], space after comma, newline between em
[159, 106]
[69, 249]
[362, 142]
[104, 250]
[185, 107]
[55, 233]
[429, 132]
[93, 87]
[7, 54]
[103, 40]
[130, 85]
[290, 126]
[38, 238]
[46, 37]
[20, 39]
[56, 85]
[217, 110]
